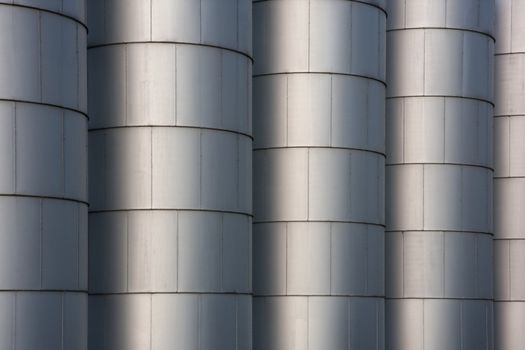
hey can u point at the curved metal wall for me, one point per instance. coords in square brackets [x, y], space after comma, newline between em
[43, 175]
[509, 183]
[319, 174]
[439, 175]
[170, 173]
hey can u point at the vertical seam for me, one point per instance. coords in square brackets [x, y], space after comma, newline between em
[151, 166]
[175, 99]
[13, 330]
[40, 63]
[309, 34]
[15, 160]
[41, 243]
[151, 22]
[62, 320]
[127, 252]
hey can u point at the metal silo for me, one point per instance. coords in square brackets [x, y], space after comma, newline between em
[439, 175]
[170, 174]
[509, 182]
[43, 175]
[319, 160]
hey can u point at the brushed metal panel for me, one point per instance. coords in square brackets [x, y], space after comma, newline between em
[126, 21]
[51, 5]
[309, 110]
[365, 41]
[516, 263]
[349, 111]
[120, 322]
[443, 62]
[60, 242]
[269, 259]
[76, 9]
[406, 73]
[245, 27]
[7, 301]
[365, 323]
[150, 84]
[460, 265]
[245, 174]
[128, 170]
[509, 320]
[395, 131]
[280, 323]
[330, 190]
[7, 147]
[219, 22]
[366, 186]
[442, 325]
[476, 207]
[108, 252]
[503, 24]
[83, 247]
[394, 267]
[107, 86]
[517, 26]
[236, 253]
[516, 156]
[375, 261]
[96, 162]
[308, 256]
[95, 21]
[75, 321]
[464, 14]
[329, 21]
[59, 60]
[281, 26]
[424, 135]
[199, 252]
[270, 110]
[175, 322]
[282, 177]
[442, 197]
[396, 14]
[404, 197]
[219, 170]
[19, 54]
[199, 86]
[176, 20]
[425, 13]
[328, 324]
[508, 88]
[234, 114]
[473, 324]
[349, 259]
[39, 142]
[502, 277]
[20, 243]
[509, 202]
[38, 321]
[404, 324]
[422, 262]
[152, 251]
[376, 110]
[176, 168]
[476, 58]
[485, 266]
[217, 322]
[75, 155]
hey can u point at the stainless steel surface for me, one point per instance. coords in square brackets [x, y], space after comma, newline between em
[43, 175]
[319, 174]
[170, 175]
[509, 182]
[439, 175]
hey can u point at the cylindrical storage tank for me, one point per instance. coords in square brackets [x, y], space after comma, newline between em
[509, 181]
[319, 161]
[170, 174]
[439, 175]
[43, 175]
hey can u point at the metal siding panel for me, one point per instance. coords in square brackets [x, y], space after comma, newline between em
[328, 323]
[463, 14]
[75, 321]
[509, 318]
[502, 147]
[75, 155]
[502, 269]
[404, 197]
[176, 20]
[442, 324]
[394, 267]
[269, 258]
[460, 265]
[365, 41]
[217, 324]
[126, 21]
[309, 110]
[176, 168]
[517, 26]
[270, 111]
[503, 24]
[425, 13]
[150, 84]
[404, 324]
[199, 264]
[39, 144]
[509, 202]
[219, 23]
[60, 245]
[516, 156]
[7, 147]
[329, 21]
[364, 323]
[236, 253]
[395, 131]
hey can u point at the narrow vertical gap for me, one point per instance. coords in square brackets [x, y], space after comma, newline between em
[367, 242]
[199, 300]
[237, 27]
[287, 109]
[286, 258]
[127, 251]
[461, 335]
[221, 87]
[78, 246]
[151, 321]
[238, 171]
[330, 142]
[40, 73]
[200, 20]
[41, 243]
[151, 20]
[220, 265]
[78, 61]
[13, 329]
[151, 166]
[175, 98]
[348, 318]
[236, 323]
[177, 218]
[200, 168]
[307, 183]
[125, 84]
[331, 258]
[444, 129]
[62, 295]
[15, 160]
[62, 132]
[403, 263]
[443, 265]
[309, 33]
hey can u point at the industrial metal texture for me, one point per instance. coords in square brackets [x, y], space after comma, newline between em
[170, 175]
[439, 175]
[319, 160]
[509, 182]
[43, 175]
